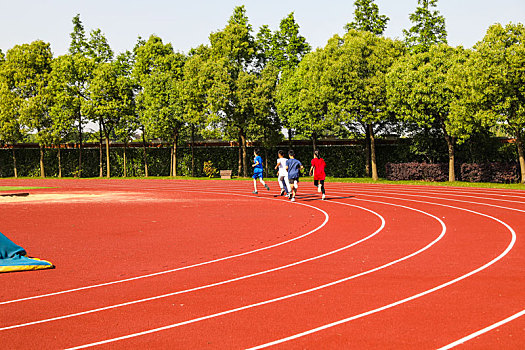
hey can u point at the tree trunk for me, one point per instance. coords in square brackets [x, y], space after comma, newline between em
[42, 171]
[244, 155]
[451, 161]
[108, 170]
[79, 170]
[171, 161]
[15, 169]
[192, 150]
[175, 141]
[290, 136]
[314, 142]
[367, 151]
[59, 156]
[239, 169]
[145, 152]
[125, 160]
[100, 154]
[373, 162]
[521, 157]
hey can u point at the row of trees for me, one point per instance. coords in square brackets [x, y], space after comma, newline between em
[244, 86]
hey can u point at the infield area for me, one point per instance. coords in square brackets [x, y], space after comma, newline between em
[173, 264]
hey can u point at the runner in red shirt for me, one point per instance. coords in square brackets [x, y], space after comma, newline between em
[317, 169]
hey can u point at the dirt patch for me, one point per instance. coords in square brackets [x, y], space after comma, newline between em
[75, 197]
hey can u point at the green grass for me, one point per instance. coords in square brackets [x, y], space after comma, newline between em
[17, 188]
[328, 180]
[428, 183]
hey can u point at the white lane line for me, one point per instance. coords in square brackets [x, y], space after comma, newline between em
[431, 197]
[413, 297]
[482, 331]
[445, 189]
[381, 227]
[409, 193]
[184, 267]
[441, 235]
[398, 189]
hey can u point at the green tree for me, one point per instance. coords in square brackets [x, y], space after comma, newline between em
[305, 96]
[367, 18]
[234, 54]
[159, 71]
[357, 75]
[98, 47]
[499, 75]
[198, 78]
[283, 49]
[27, 69]
[69, 81]
[128, 124]
[420, 91]
[428, 27]
[111, 99]
[60, 111]
[73, 74]
[10, 130]
[288, 46]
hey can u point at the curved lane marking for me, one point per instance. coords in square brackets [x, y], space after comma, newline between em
[184, 267]
[482, 331]
[383, 223]
[405, 300]
[441, 235]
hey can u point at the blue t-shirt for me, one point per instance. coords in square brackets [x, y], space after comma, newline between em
[259, 167]
[294, 168]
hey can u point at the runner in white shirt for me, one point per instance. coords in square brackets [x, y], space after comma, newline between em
[282, 176]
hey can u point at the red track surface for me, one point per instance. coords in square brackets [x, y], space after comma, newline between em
[195, 265]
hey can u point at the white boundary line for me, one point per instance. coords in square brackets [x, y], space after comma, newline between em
[383, 223]
[184, 267]
[441, 235]
[475, 271]
[482, 331]
[402, 193]
[402, 301]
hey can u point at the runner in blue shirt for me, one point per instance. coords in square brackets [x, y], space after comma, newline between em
[294, 168]
[258, 171]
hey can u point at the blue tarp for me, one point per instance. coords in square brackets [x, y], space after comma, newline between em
[13, 258]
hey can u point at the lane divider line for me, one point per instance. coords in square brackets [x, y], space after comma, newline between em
[184, 267]
[482, 331]
[383, 223]
[413, 297]
[333, 283]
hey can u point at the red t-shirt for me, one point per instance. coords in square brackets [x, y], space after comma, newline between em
[319, 165]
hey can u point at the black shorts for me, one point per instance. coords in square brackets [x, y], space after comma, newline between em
[316, 182]
[291, 179]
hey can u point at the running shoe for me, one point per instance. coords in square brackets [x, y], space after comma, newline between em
[282, 192]
[268, 188]
[324, 196]
[255, 192]
[293, 199]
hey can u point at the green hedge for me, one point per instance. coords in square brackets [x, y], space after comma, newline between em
[341, 160]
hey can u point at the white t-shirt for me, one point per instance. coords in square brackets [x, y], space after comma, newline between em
[282, 166]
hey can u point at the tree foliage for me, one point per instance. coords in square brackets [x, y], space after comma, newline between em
[498, 71]
[428, 27]
[367, 18]
[420, 91]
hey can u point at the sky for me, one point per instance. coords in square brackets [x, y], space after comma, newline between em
[187, 24]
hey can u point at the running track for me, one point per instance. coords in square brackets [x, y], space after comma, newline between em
[207, 265]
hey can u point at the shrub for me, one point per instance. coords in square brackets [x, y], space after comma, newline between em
[209, 169]
[490, 172]
[416, 171]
